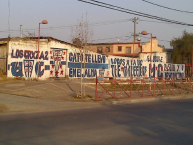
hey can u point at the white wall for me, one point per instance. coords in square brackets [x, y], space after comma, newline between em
[23, 60]
[60, 60]
[156, 57]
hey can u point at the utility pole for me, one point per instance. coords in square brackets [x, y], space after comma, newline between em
[134, 34]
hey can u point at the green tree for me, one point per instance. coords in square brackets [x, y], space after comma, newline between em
[182, 48]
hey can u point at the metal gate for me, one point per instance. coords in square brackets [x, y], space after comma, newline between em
[119, 88]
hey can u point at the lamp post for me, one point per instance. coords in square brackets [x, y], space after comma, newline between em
[192, 62]
[145, 33]
[43, 22]
[133, 48]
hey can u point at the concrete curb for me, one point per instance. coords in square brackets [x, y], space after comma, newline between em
[150, 99]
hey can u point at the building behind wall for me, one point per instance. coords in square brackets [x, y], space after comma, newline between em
[146, 47]
[3, 55]
[101, 48]
[126, 49]
[118, 49]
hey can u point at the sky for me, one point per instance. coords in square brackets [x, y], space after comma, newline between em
[107, 25]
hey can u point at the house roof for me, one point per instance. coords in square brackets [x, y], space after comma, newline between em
[3, 40]
[114, 43]
[51, 38]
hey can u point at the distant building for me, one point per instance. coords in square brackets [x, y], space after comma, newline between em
[3, 55]
[125, 49]
[155, 47]
[118, 49]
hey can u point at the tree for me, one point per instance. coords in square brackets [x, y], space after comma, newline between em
[182, 48]
[81, 35]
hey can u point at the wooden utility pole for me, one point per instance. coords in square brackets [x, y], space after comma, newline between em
[134, 34]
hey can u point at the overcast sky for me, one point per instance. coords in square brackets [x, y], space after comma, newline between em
[111, 25]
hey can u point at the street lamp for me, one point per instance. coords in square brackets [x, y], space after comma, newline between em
[145, 33]
[43, 22]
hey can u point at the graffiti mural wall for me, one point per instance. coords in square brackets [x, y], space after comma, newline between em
[115, 66]
[24, 60]
[90, 64]
[59, 60]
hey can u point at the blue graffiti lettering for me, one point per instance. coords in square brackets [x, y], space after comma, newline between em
[28, 54]
[41, 55]
[152, 70]
[89, 58]
[134, 71]
[101, 73]
[76, 72]
[38, 70]
[72, 72]
[46, 55]
[16, 69]
[169, 67]
[70, 58]
[118, 61]
[159, 72]
[18, 54]
[157, 59]
[90, 72]
[115, 70]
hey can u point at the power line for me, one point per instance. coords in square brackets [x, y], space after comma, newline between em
[114, 37]
[129, 37]
[91, 24]
[112, 7]
[166, 7]
[153, 21]
[70, 26]
[156, 38]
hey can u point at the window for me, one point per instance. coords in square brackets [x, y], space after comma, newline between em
[128, 50]
[108, 49]
[99, 50]
[119, 48]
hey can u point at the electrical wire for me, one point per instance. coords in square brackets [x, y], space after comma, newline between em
[166, 7]
[156, 38]
[109, 6]
[153, 21]
[70, 26]
[113, 37]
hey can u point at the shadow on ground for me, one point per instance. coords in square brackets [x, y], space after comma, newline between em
[51, 90]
